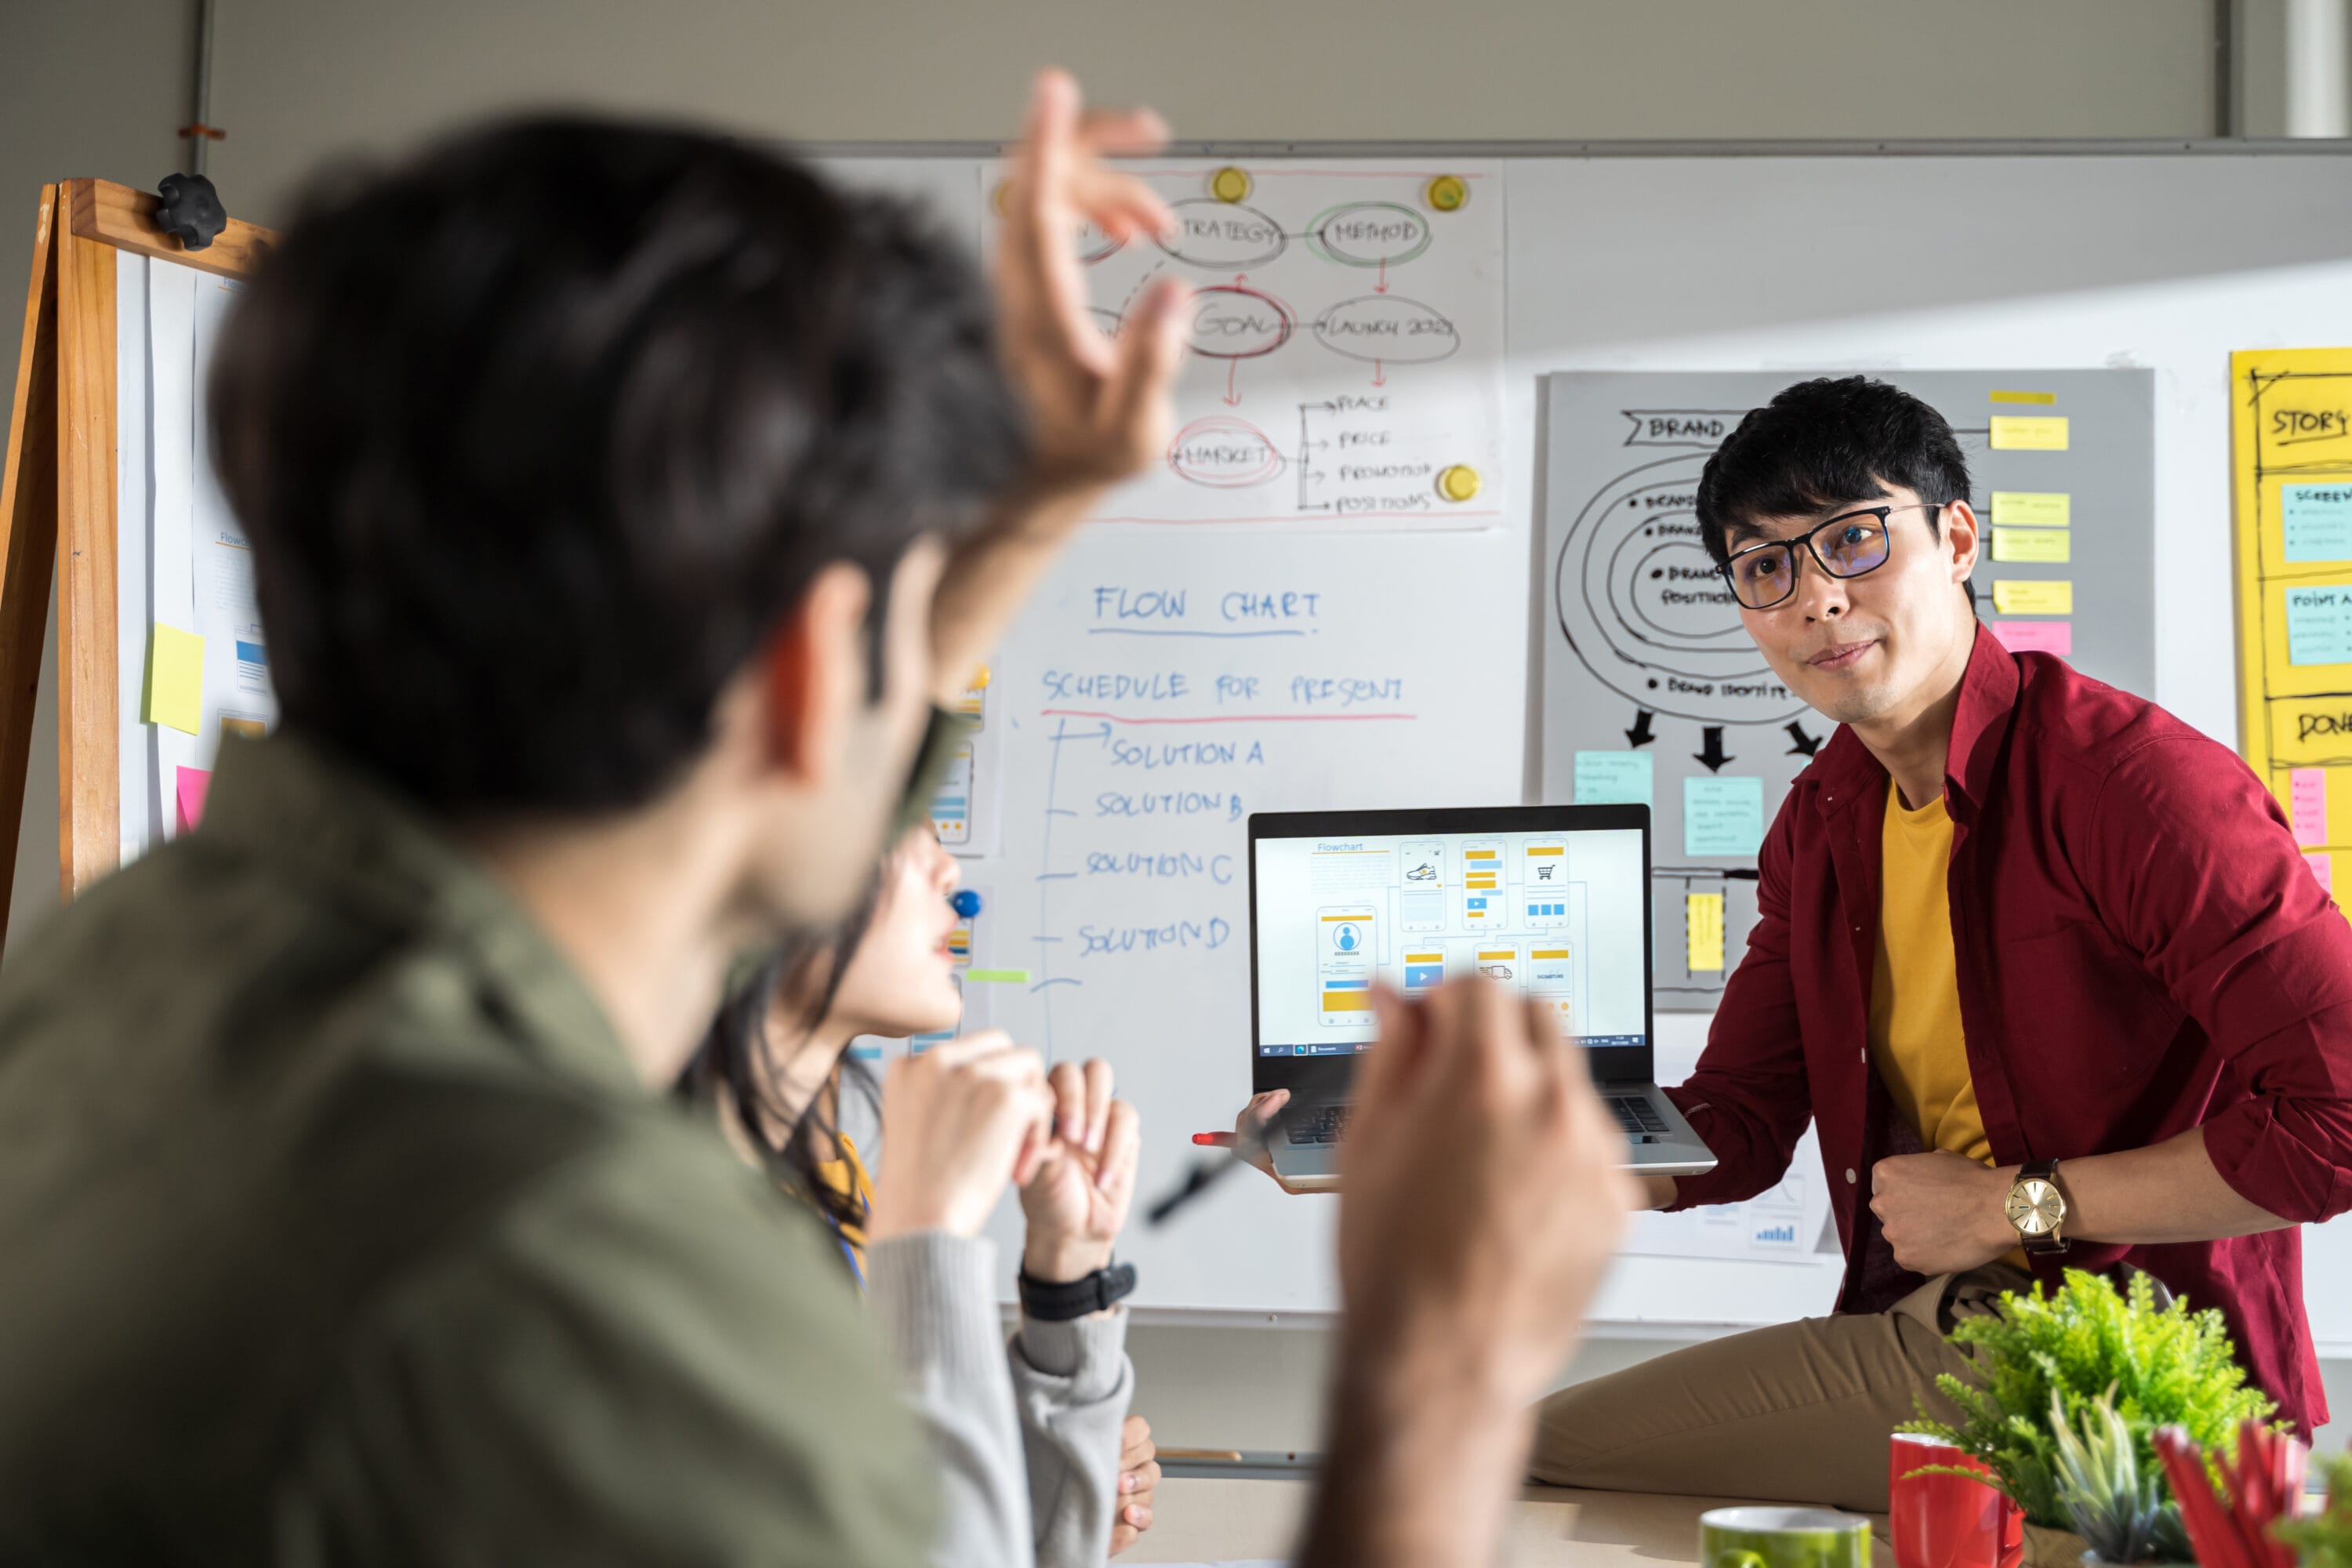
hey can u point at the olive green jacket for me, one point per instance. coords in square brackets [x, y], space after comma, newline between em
[335, 1228]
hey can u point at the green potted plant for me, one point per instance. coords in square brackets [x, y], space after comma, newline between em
[2118, 1509]
[2044, 1363]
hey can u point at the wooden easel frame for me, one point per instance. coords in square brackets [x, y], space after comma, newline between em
[58, 511]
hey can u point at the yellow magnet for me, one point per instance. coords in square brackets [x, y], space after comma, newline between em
[1447, 192]
[1459, 482]
[1230, 184]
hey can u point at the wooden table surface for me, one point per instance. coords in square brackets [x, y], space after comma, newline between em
[1214, 1521]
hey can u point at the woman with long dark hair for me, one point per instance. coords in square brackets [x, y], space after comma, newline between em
[1033, 1453]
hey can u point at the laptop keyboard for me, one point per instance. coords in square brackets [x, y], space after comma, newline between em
[1638, 1119]
[1319, 1124]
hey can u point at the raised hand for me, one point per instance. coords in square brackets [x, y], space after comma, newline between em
[1484, 1179]
[964, 1119]
[1077, 1199]
[1099, 410]
[1482, 1199]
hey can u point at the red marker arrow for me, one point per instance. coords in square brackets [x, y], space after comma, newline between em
[1379, 374]
[1231, 397]
[1382, 286]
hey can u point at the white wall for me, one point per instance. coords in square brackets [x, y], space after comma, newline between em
[97, 87]
[298, 79]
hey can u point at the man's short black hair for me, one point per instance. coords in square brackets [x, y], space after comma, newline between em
[538, 436]
[1822, 444]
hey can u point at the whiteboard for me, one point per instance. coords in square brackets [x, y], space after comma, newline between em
[1702, 263]
[182, 560]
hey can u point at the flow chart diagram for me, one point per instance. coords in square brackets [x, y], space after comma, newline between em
[1344, 344]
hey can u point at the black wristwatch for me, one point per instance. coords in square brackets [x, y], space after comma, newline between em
[1050, 1303]
[2036, 1208]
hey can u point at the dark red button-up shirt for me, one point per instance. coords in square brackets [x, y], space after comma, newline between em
[2140, 950]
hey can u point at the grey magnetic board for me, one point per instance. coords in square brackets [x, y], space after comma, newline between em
[1644, 654]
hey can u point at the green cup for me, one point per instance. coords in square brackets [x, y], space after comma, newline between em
[1782, 1538]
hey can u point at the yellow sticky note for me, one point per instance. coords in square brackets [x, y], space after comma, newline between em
[2014, 597]
[175, 678]
[2029, 433]
[2034, 509]
[2044, 397]
[2042, 546]
[1702, 918]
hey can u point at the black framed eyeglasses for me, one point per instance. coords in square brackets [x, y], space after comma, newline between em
[1848, 545]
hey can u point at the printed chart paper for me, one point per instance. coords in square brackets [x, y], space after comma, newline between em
[1344, 343]
[192, 662]
[2292, 486]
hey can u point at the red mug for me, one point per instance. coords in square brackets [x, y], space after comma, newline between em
[1945, 1521]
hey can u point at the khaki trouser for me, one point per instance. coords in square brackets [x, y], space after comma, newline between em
[1798, 1413]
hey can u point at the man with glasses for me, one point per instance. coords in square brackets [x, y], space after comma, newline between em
[2042, 961]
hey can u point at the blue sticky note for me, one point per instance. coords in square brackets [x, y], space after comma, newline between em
[1614, 778]
[2318, 520]
[1723, 816]
[2319, 623]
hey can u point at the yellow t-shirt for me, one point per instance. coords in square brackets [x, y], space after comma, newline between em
[846, 1175]
[1916, 1039]
[1915, 994]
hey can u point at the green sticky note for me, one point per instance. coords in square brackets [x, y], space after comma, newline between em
[997, 976]
[2319, 623]
[2034, 509]
[1723, 816]
[1614, 778]
[2039, 545]
[175, 678]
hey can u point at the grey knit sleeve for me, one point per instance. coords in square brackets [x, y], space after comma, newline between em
[933, 1297]
[1072, 1382]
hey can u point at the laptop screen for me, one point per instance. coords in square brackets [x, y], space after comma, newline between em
[1556, 915]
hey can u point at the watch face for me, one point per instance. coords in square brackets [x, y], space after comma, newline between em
[2035, 1207]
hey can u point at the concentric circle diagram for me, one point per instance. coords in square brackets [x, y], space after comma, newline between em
[1645, 611]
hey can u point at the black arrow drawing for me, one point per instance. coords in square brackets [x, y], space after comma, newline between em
[1639, 735]
[1710, 749]
[1805, 744]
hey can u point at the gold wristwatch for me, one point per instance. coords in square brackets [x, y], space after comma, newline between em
[2037, 1208]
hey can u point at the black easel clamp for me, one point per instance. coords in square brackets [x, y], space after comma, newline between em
[191, 210]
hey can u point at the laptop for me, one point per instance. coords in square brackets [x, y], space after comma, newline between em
[1552, 901]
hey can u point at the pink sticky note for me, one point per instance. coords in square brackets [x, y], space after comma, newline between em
[194, 784]
[2307, 799]
[2036, 636]
[2323, 866]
